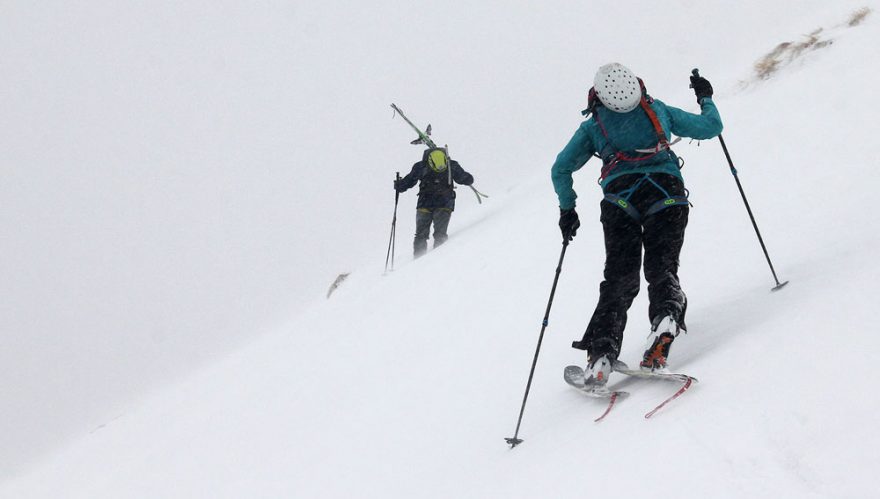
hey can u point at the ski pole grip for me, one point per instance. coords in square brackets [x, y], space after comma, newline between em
[694, 72]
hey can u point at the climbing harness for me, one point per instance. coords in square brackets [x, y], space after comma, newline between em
[622, 199]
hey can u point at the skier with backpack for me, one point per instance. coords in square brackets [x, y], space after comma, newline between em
[436, 175]
[645, 206]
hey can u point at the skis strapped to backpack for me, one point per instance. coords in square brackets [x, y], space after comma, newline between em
[425, 138]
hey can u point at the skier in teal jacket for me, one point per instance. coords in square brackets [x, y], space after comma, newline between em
[645, 206]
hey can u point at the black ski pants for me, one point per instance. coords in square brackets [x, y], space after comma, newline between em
[661, 235]
[424, 218]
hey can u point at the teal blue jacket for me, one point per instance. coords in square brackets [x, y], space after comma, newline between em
[628, 132]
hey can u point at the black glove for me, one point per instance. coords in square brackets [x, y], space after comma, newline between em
[397, 186]
[701, 87]
[568, 223]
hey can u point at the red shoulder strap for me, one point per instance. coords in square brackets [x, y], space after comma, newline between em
[661, 135]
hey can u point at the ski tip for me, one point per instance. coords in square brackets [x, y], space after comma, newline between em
[513, 441]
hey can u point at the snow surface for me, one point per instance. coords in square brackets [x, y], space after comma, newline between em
[182, 181]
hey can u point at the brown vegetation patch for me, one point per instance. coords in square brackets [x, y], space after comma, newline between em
[785, 53]
[858, 16]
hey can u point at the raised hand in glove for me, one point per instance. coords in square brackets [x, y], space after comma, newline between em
[568, 223]
[702, 87]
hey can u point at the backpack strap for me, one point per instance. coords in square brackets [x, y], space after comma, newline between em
[658, 128]
[609, 155]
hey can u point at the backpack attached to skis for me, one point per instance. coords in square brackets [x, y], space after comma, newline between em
[425, 138]
[438, 159]
[438, 176]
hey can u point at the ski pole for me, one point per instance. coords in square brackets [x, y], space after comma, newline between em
[779, 285]
[391, 238]
[514, 441]
[751, 216]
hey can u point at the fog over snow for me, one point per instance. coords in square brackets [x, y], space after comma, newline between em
[182, 181]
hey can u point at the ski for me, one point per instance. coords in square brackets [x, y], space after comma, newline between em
[425, 138]
[574, 376]
[685, 379]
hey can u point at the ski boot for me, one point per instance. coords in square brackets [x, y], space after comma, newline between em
[598, 370]
[660, 340]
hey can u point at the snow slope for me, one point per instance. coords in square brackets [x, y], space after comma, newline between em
[405, 385]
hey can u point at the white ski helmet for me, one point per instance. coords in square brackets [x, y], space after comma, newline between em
[617, 87]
